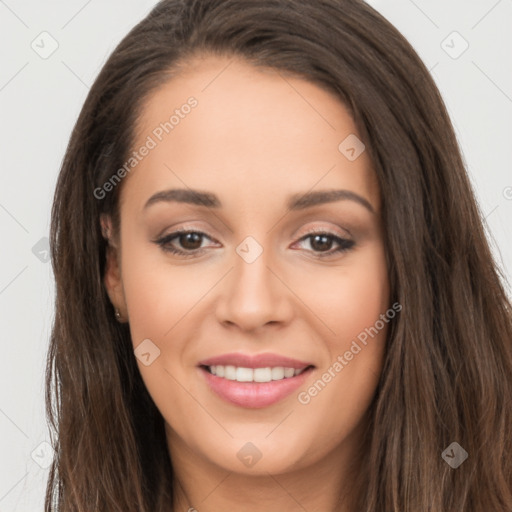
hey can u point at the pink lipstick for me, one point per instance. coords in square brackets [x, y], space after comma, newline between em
[254, 381]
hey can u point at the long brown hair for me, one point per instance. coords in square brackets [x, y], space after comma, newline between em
[447, 374]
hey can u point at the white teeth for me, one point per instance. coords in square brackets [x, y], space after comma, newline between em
[230, 372]
[241, 374]
[289, 372]
[278, 373]
[244, 374]
[262, 374]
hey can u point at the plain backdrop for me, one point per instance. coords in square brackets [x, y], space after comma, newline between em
[52, 51]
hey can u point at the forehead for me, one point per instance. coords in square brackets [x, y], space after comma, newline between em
[251, 129]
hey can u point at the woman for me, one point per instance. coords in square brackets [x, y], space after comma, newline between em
[274, 290]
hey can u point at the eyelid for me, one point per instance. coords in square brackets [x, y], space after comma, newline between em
[175, 233]
[182, 227]
[325, 230]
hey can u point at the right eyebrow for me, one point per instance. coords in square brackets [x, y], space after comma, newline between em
[182, 195]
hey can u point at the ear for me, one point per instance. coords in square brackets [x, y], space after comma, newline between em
[112, 278]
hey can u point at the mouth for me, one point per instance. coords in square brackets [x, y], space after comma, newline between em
[254, 382]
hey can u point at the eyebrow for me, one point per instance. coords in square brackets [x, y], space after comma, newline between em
[295, 202]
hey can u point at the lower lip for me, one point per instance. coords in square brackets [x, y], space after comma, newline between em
[254, 394]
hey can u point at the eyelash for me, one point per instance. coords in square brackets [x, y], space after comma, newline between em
[164, 242]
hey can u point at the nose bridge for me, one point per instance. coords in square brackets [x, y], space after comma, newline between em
[253, 262]
[253, 295]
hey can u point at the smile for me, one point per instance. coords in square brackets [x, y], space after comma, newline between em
[254, 380]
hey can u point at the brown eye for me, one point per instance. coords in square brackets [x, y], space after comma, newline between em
[321, 244]
[183, 243]
[190, 241]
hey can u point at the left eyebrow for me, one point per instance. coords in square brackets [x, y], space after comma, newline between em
[302, 201]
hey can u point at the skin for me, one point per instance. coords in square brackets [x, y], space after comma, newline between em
[255, 138]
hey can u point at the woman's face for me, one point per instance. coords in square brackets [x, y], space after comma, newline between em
[278, 267]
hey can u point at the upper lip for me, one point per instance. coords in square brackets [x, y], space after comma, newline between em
[255, 361]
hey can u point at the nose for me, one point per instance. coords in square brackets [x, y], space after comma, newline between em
[253, 295]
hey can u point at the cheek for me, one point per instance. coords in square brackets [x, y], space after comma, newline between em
[159, 295]
[160, 301]
[347, 298]
[363, 297]
[352, 303]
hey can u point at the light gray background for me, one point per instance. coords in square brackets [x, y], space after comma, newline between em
[41, 98]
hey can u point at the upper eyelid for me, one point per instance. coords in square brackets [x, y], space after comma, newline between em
[326, 231]
[341, 232]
